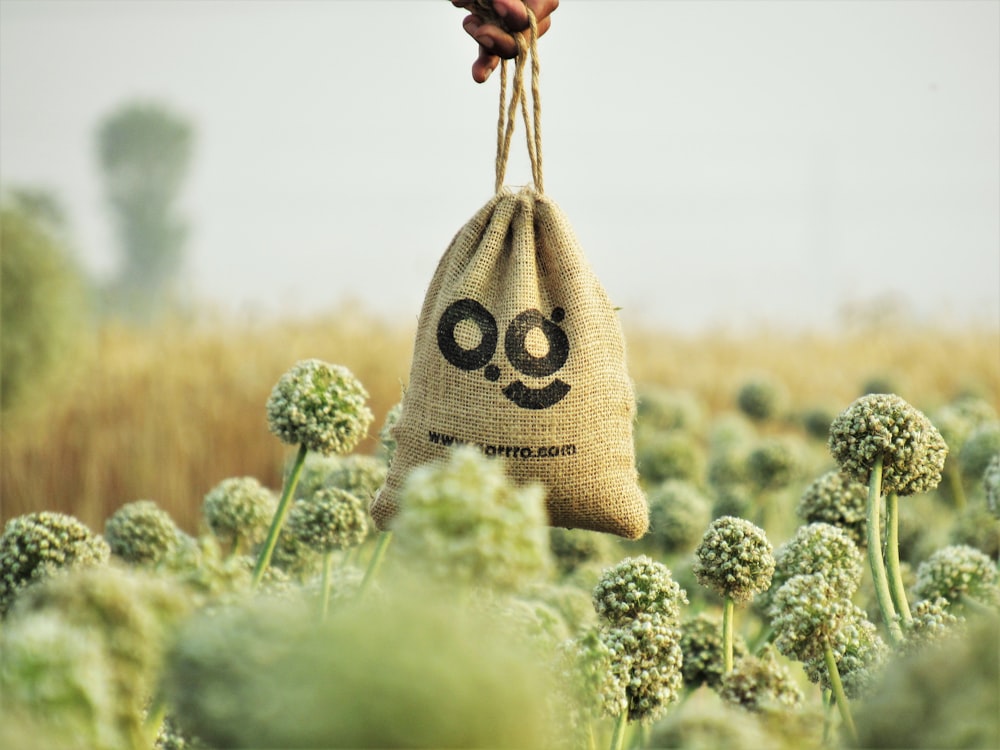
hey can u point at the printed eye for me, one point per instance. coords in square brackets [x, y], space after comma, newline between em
[470, 312]
[522, 338]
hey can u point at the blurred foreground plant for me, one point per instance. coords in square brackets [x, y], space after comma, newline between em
[414, 668]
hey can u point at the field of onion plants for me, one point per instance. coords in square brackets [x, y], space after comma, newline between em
[821, 577]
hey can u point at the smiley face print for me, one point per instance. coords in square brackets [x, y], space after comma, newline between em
[535, 346]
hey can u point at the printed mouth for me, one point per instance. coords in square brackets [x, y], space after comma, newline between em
[536, 398]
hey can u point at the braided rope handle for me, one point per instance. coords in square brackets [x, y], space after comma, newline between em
[508, 109]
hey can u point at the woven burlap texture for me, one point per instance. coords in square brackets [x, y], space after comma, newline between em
[556, 408]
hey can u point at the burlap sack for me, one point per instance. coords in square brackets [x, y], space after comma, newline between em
[518, 351]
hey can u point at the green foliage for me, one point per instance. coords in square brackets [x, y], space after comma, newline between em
[43, 305]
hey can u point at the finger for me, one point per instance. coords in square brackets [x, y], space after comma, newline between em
[484, 65]
[515, 15]
[494, 39]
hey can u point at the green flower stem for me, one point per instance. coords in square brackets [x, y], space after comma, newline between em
[976, 606]
[954, 476]
[879, 577]
[896, 587]
[618, 737]
[728, 609]
[827, 707]
[838, 693]
[376, 559]
[154, 719]
[264, 558]
[327, 566]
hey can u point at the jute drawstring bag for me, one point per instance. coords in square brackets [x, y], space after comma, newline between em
[519, 351]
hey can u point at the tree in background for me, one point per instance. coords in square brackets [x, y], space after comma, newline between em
[43, 297]
[144, 151]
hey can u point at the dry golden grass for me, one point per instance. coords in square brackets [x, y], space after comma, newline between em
[167, 413]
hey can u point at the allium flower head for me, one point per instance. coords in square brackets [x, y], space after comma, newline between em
[734, 559]
[239, 510]
[142, 533]
[646, 651]
[931, 623]
[859, 652]
[824, 549]
[329, 520]
[956, 571]
[816, 422]
[881, 424]
[573, 548]
[463, 520]
[320, 406]
[982, 445]
[666, 409]
[760, 683]
[386, 442]
[773, 464]
[588, 664]
[701, 644]
[678, 513]
[360, 475]
[637, 585]
[837, 499]
[667, 454]
[34, 546]
[761, 398]
[991, 483]
[810, 614]
[957, 419]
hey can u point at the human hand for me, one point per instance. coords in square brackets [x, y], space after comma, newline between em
[495, 42]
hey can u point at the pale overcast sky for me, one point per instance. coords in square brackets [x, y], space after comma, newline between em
[722, 162]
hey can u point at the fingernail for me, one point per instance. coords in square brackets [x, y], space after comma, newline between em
[501, 9]
[485, 42]
[486, 74]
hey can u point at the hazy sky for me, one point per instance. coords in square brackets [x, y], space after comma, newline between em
[721, 162]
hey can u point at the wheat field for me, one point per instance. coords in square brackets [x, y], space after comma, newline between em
[165, 413]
